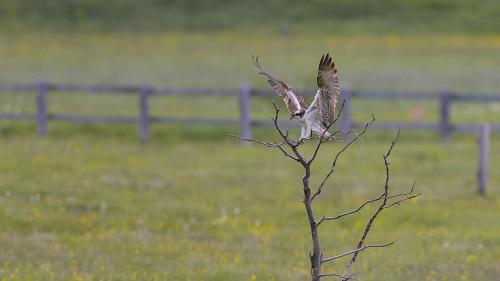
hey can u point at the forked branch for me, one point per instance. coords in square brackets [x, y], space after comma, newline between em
[383, 205]
[268, 144]
[334, 163]
[290, 148]
[355, 251]
[407, 196]
[284, 135]
[342, 278]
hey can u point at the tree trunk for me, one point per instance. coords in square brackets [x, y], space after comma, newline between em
[315, 256]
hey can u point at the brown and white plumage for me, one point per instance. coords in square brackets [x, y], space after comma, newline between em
[328, 88]
[321, 113]
[293, 100]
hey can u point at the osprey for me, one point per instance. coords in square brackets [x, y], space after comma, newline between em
[321, 113]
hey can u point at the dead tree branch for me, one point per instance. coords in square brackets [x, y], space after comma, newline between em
[291, 149]
[362, 248]
[398, 202]
[324, 218]
[315, 256]
[342, 278]
[334, 163]
[284, 135]
[385, 196]
[268, 144]
[330, 275]
[409, 194]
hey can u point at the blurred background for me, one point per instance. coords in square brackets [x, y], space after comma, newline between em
[94, 202]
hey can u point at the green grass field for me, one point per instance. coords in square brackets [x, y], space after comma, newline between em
[93, 203]
[222, 59]
[354, 16]
[107, 208]
[427, 63]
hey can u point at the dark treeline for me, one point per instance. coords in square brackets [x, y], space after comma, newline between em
[130, 15]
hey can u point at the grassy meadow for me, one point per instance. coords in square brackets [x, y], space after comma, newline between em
[90, 202]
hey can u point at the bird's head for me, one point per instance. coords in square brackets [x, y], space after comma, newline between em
[298, 114]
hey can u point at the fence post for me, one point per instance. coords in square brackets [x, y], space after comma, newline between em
[444, 115]
[144, 113]
[244, 103]
[483, 145]
[346, 112]
[41, 108]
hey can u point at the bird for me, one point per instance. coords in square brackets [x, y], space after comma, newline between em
[320, 114]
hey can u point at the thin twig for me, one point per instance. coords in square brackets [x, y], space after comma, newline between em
[332, 169]
[342, 278]
[284, 136]
[385, 196]
[268, 144]
[331, 275]
[357, 250]
[404, 193]
[402, 200]
[326, 218]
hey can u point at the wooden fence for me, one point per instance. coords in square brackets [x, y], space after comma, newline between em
[245, 122]
[244, 94]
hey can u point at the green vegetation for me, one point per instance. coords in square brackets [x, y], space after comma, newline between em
[93, 206]
[222, 59]
[392, 63]
[89, 202]
[284, 16]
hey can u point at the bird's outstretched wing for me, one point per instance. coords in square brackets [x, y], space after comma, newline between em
[293, 100]
[328, 89]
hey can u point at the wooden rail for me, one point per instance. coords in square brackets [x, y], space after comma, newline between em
[244, 94]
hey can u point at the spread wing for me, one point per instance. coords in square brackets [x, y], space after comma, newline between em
[293, 100]
[328, 89]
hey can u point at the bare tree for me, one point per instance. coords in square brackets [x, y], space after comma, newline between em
[290, 149]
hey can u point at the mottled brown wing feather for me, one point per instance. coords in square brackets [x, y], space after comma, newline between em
[329, 88]
[293, 100]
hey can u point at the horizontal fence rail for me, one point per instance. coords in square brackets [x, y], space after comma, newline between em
[244, 94]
